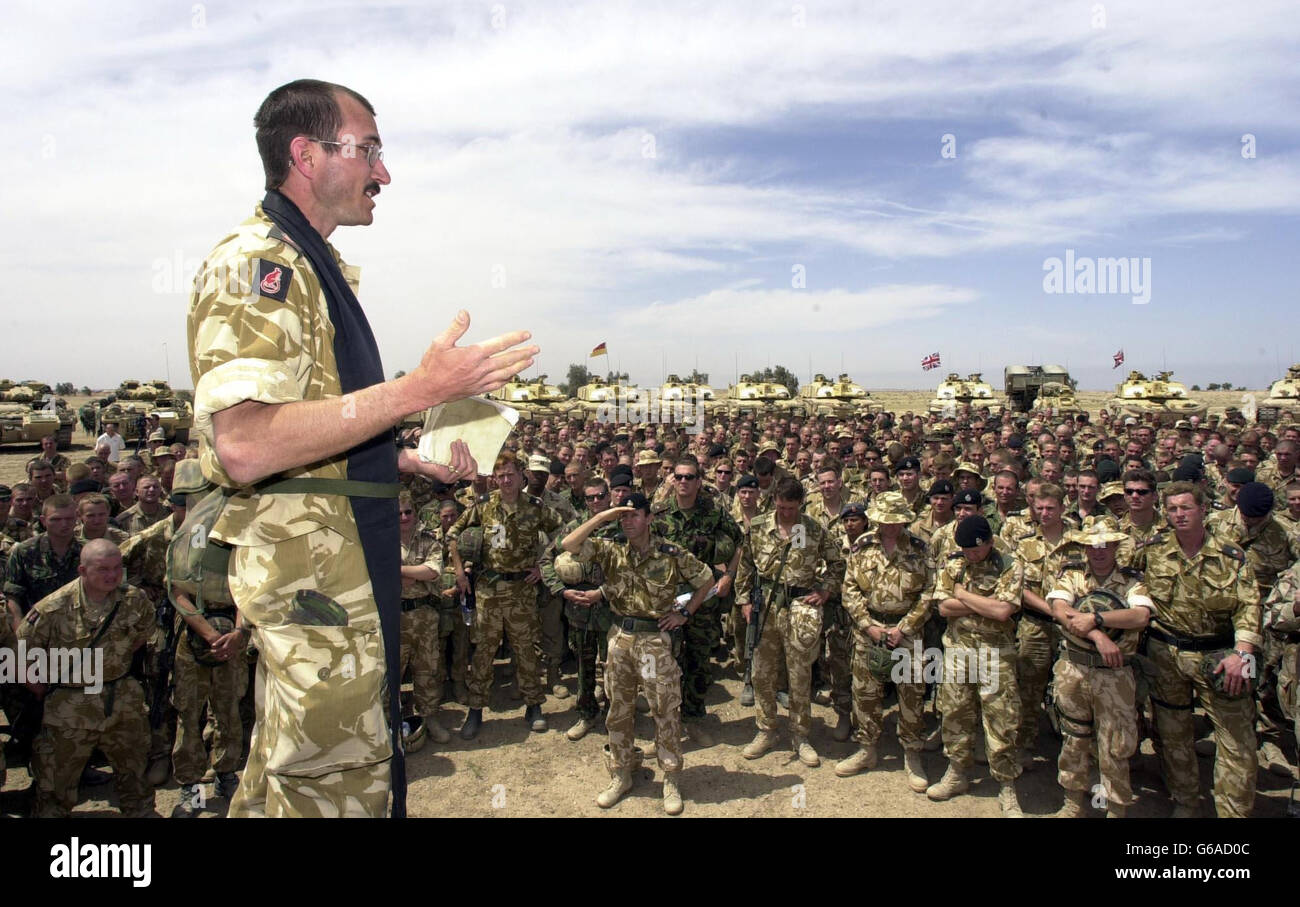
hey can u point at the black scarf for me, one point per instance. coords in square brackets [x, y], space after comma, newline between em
[374, 460]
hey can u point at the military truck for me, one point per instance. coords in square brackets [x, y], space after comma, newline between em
[535, 400]
[840, 399]
[748, 397]
[1283, 401]
[133, 401]
[1024, 384]
[1160, 396]
[955, 392]
[27, 416]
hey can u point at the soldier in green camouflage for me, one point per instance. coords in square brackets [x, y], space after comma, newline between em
[1094, 686]
[92, 613]
[1207, 603]
[421, 619]
[641, 578]
[44, 562]
[885, 579]
[799, 568]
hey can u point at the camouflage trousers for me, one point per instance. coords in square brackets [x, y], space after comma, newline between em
[837, 658]
[589, 641]
[1097, 711]
[963, 699]
[550, 618]
[321, 746]
[454, 646]
[869, 697]
[219, 688]
[1288, 685]
[75, 724]
[1036, 642]
[643, 660]
[1178, 675]
[699, 638]
[736, 626]
[789, 645]
[422, 655]
[508, 608]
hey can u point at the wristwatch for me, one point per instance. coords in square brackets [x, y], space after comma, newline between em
[1096, 619]
[684, 611]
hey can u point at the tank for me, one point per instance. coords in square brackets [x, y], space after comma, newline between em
[750, 397]
[599, 395]
[1283, 401]
[1160, 396]
[1057, 399]
[955, 392]
[535, 400]
[840, 399]
[134, 400]
[30, 412]
[1024, 384]
[685, 401]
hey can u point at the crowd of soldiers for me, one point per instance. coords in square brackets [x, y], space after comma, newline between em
[1105, 578]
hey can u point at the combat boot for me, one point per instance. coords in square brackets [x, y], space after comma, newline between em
[437, 733]
[953, 782]
[699, 734]
[783, 699]
[188, 807]
[1075, 806]
[534, 718]
[916, 779]
[160, 769]
[763, 742]
[747, 695]
[580, 730]
[807, 755]
[862, 761]
[1009, 801]
[672, 795]
[473, 721]
[227, 784]
[620, 783]
[843, 728]
[934, 742]
[558, 689]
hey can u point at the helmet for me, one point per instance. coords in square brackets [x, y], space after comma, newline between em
[1097, 602]
[414, 734]
[569, 569]
[1218, 682]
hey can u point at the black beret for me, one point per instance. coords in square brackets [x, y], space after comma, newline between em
[1241, 475]
[637, 500]
[622, 469]
[969, 496]
[1255, 499]
[620, 480]
[972, 531]
[853, 509]
[557, 467]
[1107, 470]
[717, 450]
[1015, 442]
[6, 493]
[908, 463]
[939, 486]
[81, 486]
[1187, 472]
[747, 481]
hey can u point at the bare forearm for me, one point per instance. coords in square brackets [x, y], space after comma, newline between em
[572, 542]
[1036, 602]
[992, 608]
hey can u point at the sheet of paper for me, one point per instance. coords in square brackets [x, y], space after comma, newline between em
[481, 423]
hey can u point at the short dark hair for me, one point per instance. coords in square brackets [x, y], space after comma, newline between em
[1145, 476]
[305, 107]
[788, 489]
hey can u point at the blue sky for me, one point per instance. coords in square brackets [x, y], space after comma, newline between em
[652, 175]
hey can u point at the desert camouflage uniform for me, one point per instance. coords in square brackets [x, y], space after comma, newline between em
[212, 690]
[144, 565]
[507, 603]
[1211, 594]
[1096, 703]
[421, 623]
[836, 653]
[135, 520]
[454, 635]
[887, 590]
[111, 533]
[1017, 525]
[925, 527]
[1268, 474]
[643, 586]
[76, 721]
[1036, 634]
[791, 629]
[709, 533]
[998, 576]
[321, 746]
[1282, 621]
[1139, 537]
[1269, 550]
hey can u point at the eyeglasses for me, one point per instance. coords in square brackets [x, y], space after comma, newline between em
[406, 512]
[722, 472]
[684, 477]
[1137, 491]
[374, 154]
[595, 497]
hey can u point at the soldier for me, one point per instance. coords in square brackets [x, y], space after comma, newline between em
[92, 516]
[45, 562]
[41, 475]
[938, 514]
[1143, 519]
[979, 590]
[148, 509]
[1282, 620]
[1281, 471]
[641, 576]
[288, 383]
[506, 575]
[1207, 610]
[1251, 527]
[908, 478]
[699, 524]
[1094, 684]
[58, 462]
[785, 550]
[121, 493]
[93, 612]
[884, 584]
[421, 618]
[1289, 519]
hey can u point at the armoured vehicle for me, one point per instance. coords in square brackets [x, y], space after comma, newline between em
[599, 396]
[1167, 400]
[1024, 384]
[134, 400]
[954, 392]
[535, 400]
[28, 414]
[685, 401]
[1283, 400]
[749, 397]
[841, 398]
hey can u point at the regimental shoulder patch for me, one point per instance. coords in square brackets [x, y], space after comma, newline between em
[1235, 553]
[33, 616]
[956, 555]
[1132, 573]
[273, 279]
[670, 549]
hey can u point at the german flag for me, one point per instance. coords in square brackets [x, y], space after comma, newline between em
[598, 351]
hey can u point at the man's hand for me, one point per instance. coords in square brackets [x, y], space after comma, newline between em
[1107, 649]
[462, 465]
[1080, 624]
[584, 598]
[893, 637]
[228, 645]
[1234, 667]
[671, 621]
[533, 575]
[614, 513]
[462, 583]
[724, 586]
[875, 634]
[747, 612]
[816, 598]
[449, 372]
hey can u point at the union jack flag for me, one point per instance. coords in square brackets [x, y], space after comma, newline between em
[1119, 359]
[930, 361]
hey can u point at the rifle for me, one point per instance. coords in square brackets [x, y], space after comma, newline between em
[166, 617]
[757, 617]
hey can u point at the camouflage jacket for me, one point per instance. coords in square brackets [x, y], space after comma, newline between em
[706, 530]
[144, 559]
[882, 589]
[813, 559]
[998, 576]
[1043, 561]
[65, 619]
[424, 549]
[1077, 580]
[1212, 593]
[111, 532]
[1269, 475]
[924, 527]
[1269, 549]
[1017, 525]
[34, 570]
[510, 537]
[815, 507]
[644, 584]
[591, 572]
[18, 530]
